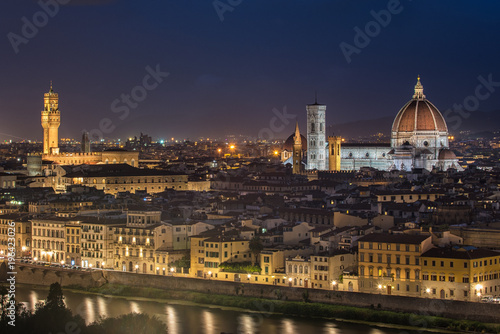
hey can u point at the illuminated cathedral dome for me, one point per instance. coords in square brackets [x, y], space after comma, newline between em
[419, 114]
[420, 123]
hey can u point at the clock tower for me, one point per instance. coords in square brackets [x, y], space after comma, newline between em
[51, 119]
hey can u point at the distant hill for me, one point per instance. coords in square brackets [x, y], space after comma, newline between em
[477, 122]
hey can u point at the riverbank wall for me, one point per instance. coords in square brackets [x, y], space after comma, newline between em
[483, 312]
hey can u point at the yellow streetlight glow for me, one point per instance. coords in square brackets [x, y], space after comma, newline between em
[276, 152]
[232, 147]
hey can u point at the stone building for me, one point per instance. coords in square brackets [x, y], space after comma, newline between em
[49, 240]
[116, 178]
[419, 139]
[391, 263]
[51, 120]
[460, 273]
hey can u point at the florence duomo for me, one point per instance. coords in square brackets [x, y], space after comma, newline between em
[419, 140]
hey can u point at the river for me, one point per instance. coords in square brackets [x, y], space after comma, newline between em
[186, 318]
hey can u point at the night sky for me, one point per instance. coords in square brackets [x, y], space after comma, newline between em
[226, 76]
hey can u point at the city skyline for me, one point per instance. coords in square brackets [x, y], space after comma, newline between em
[228, 75]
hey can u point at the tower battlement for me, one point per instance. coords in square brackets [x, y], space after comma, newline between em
[50, 121]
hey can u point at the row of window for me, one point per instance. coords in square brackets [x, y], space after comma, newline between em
[46, 244]
[371, 258]
[384, 246]
[389, 273]
[48, 233]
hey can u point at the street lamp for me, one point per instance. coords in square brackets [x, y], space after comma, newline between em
[334, 285]
[136, 268]
[290, 281]
[479, 288]
[62, 262]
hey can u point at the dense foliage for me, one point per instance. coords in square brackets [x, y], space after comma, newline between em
[240, 267]
[185, 262]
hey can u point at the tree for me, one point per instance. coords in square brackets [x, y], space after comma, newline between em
[55, 298]
[256, 247]
[185, 262]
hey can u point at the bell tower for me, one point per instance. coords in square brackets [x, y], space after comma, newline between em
[51, 119]
[316, 136]
[297, 151]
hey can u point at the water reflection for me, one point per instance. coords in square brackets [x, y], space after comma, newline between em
[34, 298]
[246, 324]
[102, 306]
[134, 307]
[331, 328]
[182, 319]
[208, 320]
[172, 320]
[89, 314]
[288, 327]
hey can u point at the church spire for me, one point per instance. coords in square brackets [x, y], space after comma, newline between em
[297, 140]
[419, 90]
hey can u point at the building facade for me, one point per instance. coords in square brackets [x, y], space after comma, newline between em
[391, 263]
[460, 273]
[49, 239]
